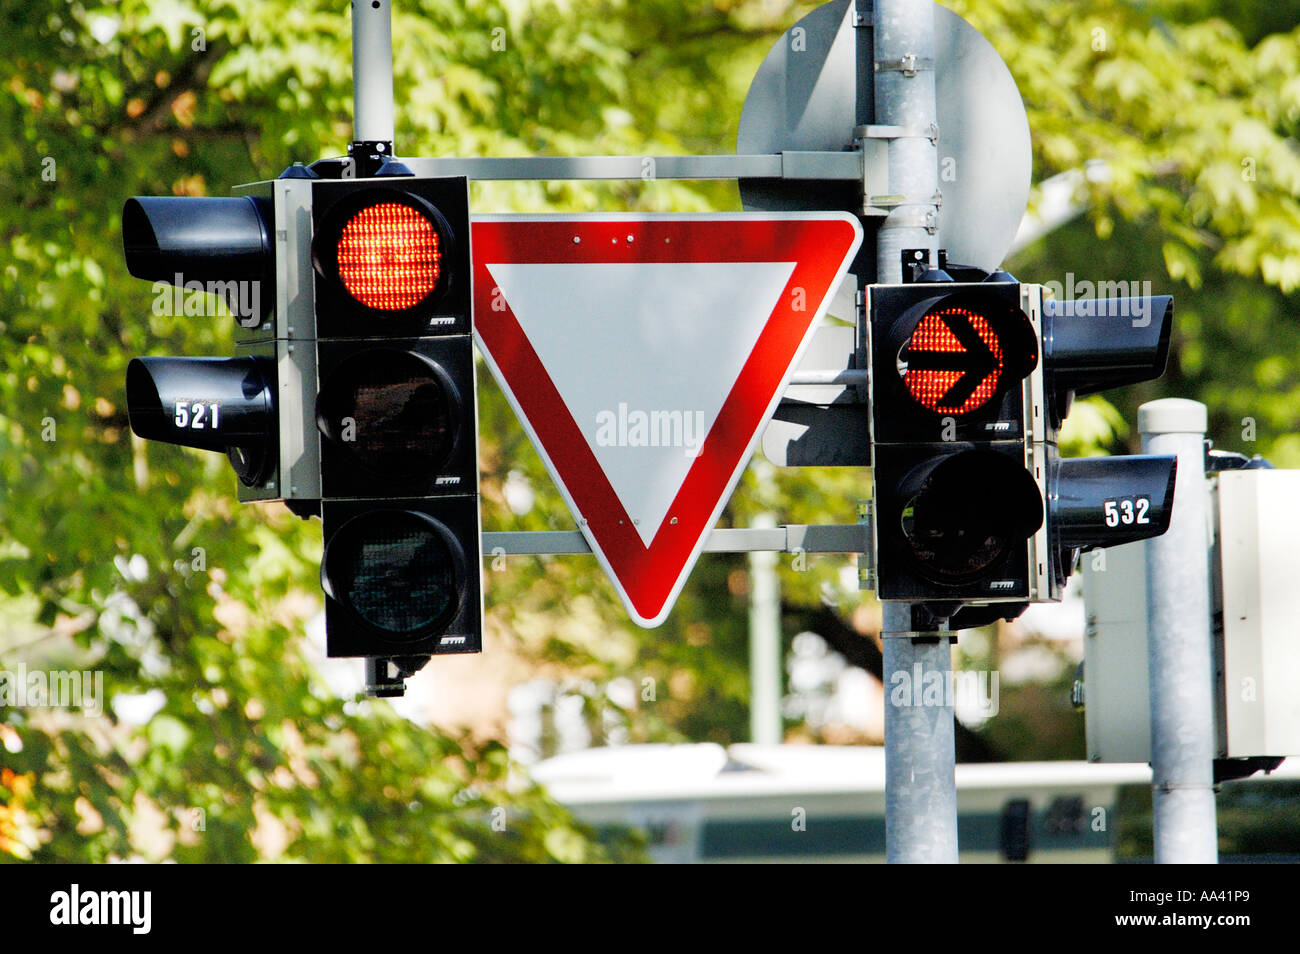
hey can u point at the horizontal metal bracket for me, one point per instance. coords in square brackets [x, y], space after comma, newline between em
[853, 377]
[795, 538]
[893, 201]
[843, 166]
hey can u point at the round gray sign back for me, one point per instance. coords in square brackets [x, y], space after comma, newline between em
[804, 97]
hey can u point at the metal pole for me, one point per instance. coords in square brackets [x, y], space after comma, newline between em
[920, 781]
[1180, 652]
[920, 785]
[764, 643]
[372, 71]
[904, 87]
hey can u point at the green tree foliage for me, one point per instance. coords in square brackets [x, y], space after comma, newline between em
[133, 560]
[1197, 127]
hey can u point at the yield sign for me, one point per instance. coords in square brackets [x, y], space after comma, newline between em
[644, 354]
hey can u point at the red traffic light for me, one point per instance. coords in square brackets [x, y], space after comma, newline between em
[389, 256]
[953, 359]
[387, 251]
[948, 361]
[395, 410]
[958, 352]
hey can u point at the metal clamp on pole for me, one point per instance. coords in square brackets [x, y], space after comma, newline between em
[866, 559]
[930, 132]
[916, 216]
[909, 64]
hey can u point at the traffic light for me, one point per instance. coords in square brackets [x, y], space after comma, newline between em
[396, 417]
[218, 255]
[955, 507]
[969, 384]
[219, 404]
[352, 395]
[1092, 345]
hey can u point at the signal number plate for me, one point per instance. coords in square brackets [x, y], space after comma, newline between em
[1126, 511]
[197, 415]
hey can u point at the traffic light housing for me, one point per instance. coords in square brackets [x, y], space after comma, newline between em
[210, 250]
[218, 404]
[1092, 345]
[352, 394]
[955, 508]
[959, 354]
[969, 384]
[396, 417]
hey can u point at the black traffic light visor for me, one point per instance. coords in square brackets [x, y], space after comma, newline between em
[178, 239]
[1094, 344]
[216, 404]
[1106, 501]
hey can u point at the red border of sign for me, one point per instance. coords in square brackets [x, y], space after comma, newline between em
[820, 245]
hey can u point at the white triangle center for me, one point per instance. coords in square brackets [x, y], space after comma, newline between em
[643, 355]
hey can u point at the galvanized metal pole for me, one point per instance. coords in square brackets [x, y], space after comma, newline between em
[1180, 651]
[372, 71]
[764, 643]
[920, 755]
[920, 782]
[904, 88]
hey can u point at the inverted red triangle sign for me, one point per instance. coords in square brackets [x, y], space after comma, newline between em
[644, 354]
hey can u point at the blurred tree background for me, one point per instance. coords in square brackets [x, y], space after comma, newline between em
[219, 739]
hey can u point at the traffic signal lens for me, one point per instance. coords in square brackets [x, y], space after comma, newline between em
[389, 256]
[393, 411]
[399, 571]
[953, 361]
[967, 511]
[950, 549]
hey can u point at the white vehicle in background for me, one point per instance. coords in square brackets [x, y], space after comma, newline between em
[705, 803]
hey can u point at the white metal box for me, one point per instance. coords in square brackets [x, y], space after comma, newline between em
[1255, 610]
[1116, 689]
[1259, 562]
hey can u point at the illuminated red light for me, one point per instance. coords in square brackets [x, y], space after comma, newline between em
[389, 256]
[948, 375]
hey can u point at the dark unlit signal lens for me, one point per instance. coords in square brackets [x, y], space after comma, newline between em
[400, 572]
[966, 511]
[392, 411]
